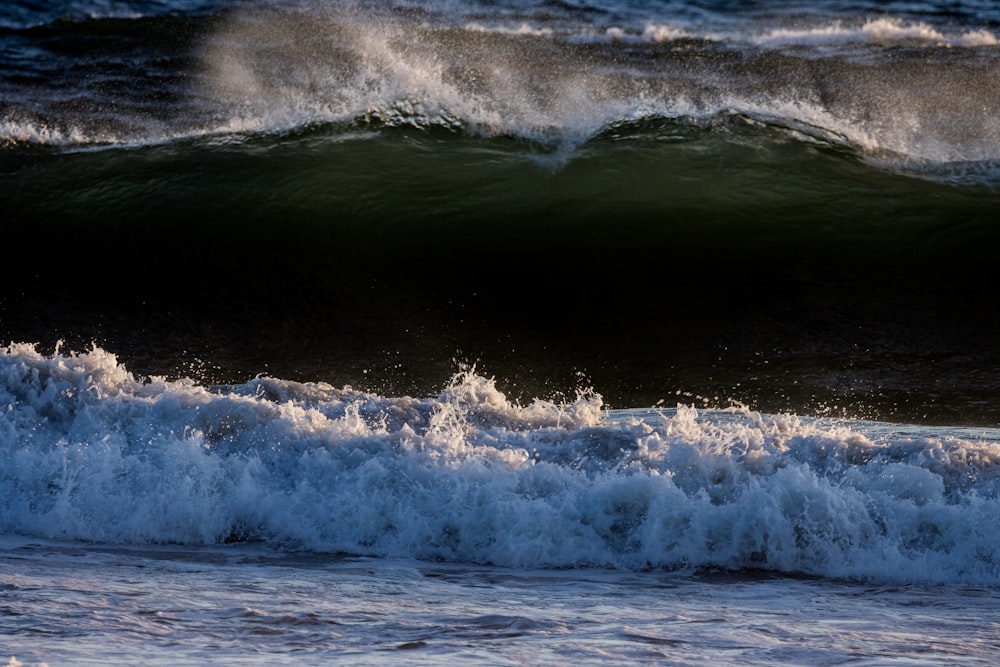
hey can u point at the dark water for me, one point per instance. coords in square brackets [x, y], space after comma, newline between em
[797, 279]
[795, 208]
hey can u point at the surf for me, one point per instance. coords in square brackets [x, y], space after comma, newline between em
[906, 97]
[466, 475]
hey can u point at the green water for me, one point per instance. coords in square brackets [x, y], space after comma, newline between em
[734, 261]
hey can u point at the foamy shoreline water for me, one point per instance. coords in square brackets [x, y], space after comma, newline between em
[240, 604]
[467, 476]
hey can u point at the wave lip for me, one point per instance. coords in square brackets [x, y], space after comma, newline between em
[96, 454]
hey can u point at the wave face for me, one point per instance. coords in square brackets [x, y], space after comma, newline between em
[726, 258]
[791, 206]
[95, 454]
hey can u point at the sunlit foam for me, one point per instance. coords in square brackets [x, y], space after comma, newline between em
[94, 453]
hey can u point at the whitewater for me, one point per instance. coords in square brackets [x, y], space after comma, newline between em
[97, 455]
[288, 523]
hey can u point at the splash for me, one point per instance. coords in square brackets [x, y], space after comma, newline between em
[94, 453]
[348, 64]
[343, 63]
[906, 96]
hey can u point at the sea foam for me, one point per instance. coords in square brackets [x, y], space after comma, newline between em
[886, 31]
[94, 453]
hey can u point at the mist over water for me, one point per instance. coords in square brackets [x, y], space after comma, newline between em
[897, 90]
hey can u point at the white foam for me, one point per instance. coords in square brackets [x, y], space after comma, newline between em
[279, 72]
[522, 29]
[882, 31]
[14, 132]
[93, 453]
[37, 133]
[650, 34]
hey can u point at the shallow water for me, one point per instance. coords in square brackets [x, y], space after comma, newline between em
[77, 604]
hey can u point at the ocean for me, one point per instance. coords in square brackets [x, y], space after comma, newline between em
[534, 332]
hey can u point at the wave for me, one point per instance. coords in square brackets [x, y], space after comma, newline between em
[828, 33]
[94, 453]
[527, 86]
[264, 70]
[770, 128]
[886, 32]
[29, 15]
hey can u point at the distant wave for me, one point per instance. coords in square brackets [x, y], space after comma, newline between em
[24, 14]
[263, 70]
[519, 83]
[882, 32]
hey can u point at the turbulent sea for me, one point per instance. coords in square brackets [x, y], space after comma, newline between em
[533, 332]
